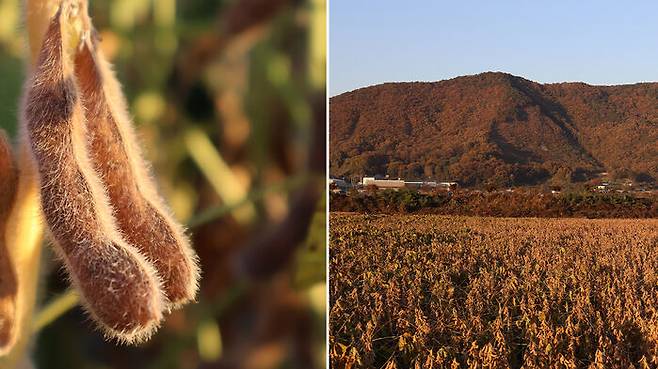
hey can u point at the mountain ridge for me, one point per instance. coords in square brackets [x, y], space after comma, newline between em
[496, 128]
[499, 73]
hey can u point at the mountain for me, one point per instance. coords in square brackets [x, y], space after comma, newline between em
[498, 129]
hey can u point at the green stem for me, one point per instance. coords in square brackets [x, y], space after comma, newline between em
[211, 214]
[56, 308]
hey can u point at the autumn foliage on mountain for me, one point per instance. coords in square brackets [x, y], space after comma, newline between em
[496, 129]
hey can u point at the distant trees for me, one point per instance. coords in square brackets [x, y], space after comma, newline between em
[644, 177]
[520, 203]
[562, 177]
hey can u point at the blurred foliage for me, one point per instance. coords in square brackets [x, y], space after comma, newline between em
[229, 102]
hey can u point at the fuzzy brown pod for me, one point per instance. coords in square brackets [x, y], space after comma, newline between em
[119, 286]
[140, 213]
[8, 280]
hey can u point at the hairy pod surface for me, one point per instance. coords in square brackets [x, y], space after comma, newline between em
[140, 213]
[8, 281]
[119, 287]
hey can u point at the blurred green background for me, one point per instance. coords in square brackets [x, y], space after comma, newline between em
[228, 98]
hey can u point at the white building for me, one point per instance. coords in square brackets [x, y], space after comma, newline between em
[400, 183]
[382, 183]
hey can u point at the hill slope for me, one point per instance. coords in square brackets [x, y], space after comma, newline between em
[496, 128]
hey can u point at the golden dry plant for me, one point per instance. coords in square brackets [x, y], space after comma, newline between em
[8, 285]
[127, 257]
[427, 291]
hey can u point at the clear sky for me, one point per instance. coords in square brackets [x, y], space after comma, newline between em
[597, 42]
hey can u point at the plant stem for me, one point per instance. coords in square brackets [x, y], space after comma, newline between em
[56, 308]
[211, 214]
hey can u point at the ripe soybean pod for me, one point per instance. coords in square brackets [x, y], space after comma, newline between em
[140, 213]
[119, 287]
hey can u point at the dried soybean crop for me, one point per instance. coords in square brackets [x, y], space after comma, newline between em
[427, 291]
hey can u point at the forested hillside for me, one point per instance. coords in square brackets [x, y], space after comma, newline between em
[498, 129]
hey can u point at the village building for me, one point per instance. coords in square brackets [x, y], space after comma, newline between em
[401, 183]
[383, 183]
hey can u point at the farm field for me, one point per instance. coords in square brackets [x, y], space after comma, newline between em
[430, 291]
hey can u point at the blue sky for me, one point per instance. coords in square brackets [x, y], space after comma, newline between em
[597, 42]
